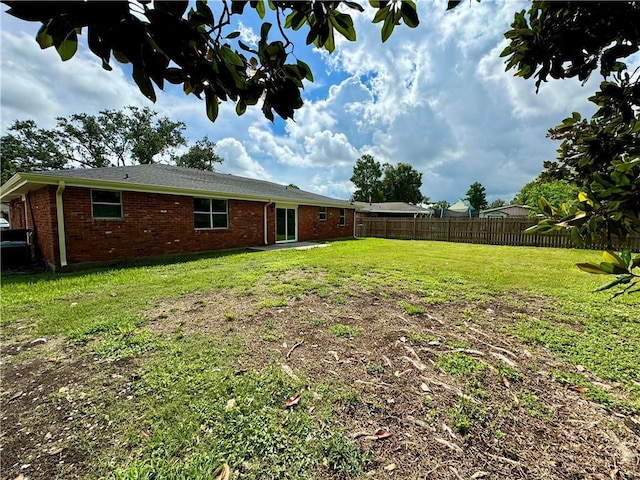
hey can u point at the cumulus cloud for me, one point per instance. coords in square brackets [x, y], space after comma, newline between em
[238, 162]
[37, 85]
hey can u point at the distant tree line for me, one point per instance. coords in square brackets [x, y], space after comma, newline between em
[111, 138]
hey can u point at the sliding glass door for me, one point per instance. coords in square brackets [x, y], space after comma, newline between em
[286, 224]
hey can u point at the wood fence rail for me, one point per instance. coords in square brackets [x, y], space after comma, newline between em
[491, 231]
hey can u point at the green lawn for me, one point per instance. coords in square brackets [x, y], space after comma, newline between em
[173, 369]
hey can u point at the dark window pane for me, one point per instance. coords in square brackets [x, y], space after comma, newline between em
[105, 196]
[219, 221]
[343, 217]
[219, 206]
[106, 211]
[323, 213]
[202, 220]
[201, 204]
[291, 224]
[281, 224]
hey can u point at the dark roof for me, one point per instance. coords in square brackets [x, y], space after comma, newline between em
[180, 178]
[389, 207]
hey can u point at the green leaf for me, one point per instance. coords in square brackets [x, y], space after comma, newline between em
[211, 101]
[308, 74]
[354, 5]
[233, 35]
[409, 14]
[43, 38]
[260, 9]
[545, 207]
[230, 57]
[388, 26]
[241, 107]
[453, 4]
[613, 258]
[144, 83]
[68, 47]
[591, 268]
[344, 24]
[612, 269]
[576, 238]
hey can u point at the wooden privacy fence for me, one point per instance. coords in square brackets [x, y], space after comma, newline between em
[492, 231]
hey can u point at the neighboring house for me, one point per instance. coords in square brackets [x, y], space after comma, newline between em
[511, 211]
[390, 209]
[462, 208]
[119, 213]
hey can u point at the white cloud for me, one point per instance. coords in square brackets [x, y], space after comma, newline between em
[36, 84]
[238, 162]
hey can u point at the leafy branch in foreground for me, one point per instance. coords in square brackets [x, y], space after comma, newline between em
[621, 266]
[600, 155]
[200, 49]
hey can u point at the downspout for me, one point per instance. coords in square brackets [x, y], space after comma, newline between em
[354, 223]
[266, 233]
[62, 244]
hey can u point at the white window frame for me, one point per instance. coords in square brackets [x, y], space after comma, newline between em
[106, 203]
[323, 214]
[211, 213]
[343, 217]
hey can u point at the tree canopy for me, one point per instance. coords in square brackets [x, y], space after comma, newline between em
[401, 183]
[111, 138]
[556, 192]
[476, 195]
[385, 183]
[366, 177]
[197, 47]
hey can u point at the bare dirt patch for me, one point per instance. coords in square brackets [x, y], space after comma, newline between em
[507, 419]
[48, 423]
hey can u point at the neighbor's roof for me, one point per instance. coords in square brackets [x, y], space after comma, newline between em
[159, 178]
[389, 207]
[504, 207]
[461, 206]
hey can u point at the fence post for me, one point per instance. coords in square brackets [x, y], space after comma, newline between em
[448, 229]
[386, 221]
[414, 228]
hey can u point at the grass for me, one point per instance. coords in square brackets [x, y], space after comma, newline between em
[184, 382]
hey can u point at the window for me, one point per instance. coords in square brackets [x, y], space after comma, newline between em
[343, 217]
[210, 213]
[323, 213]
[106, 204]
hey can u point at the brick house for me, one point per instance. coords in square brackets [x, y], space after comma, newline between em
[119, 213]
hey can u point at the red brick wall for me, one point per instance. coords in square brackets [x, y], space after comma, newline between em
[310, 227]
[156, 224]
[40, 208]
[153, 224]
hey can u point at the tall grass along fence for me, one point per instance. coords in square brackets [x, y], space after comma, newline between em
[492, 231]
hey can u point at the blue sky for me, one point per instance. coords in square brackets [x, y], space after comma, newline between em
[436, 97]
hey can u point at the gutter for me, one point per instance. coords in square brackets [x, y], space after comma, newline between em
[266, 234]
[62, 244]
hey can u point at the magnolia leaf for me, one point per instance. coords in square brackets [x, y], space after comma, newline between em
[611, 257]
[591, 268]
[211, 101]
[612, 269]
[69, 46]
[388, 26]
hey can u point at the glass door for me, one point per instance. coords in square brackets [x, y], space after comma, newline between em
[286, 228]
